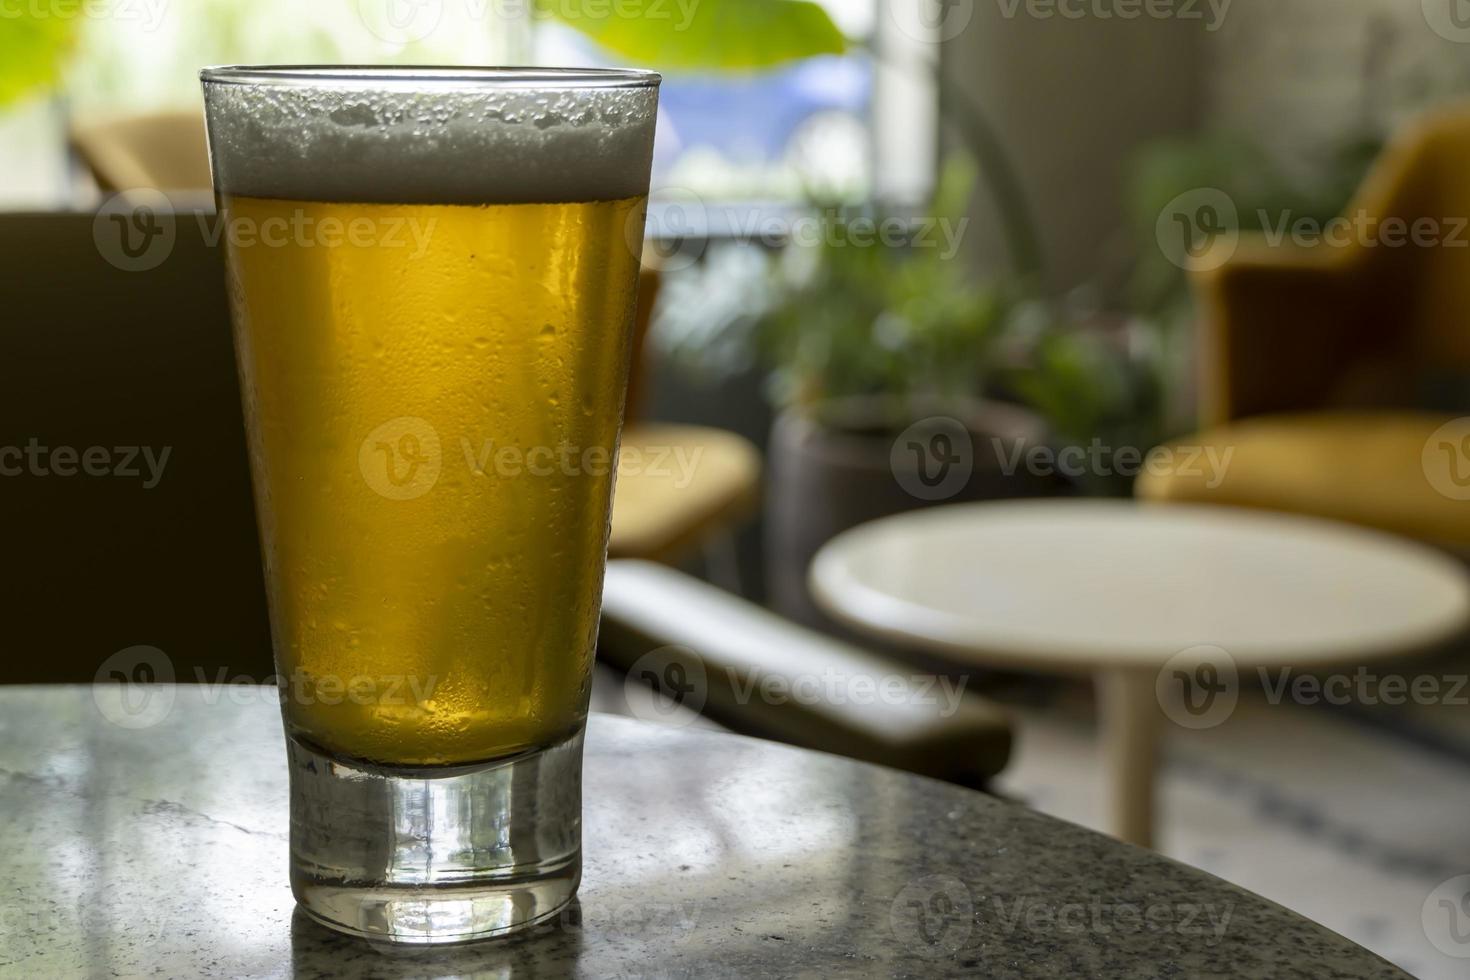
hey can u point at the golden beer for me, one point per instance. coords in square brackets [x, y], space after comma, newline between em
[434, 393]
[433, 272]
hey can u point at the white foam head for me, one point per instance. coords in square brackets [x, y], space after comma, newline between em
[431, 136]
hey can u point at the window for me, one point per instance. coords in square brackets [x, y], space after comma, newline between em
[769, 136]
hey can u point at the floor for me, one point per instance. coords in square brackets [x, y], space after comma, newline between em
[1275, 800]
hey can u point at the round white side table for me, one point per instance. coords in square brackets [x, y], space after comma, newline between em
[1137, 595]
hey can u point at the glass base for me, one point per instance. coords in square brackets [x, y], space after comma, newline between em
[436, 855]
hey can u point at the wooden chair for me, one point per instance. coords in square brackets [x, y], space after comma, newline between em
[92, 355]
[165, 151]
[681, 488]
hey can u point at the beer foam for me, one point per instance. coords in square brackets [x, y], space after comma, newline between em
[431, 137]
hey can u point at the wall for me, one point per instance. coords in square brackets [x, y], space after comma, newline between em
[1072, 98]
[1299, 75]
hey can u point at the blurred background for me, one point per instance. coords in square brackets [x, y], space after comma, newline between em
[900, 255]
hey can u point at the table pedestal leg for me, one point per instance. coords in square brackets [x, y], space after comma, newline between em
[1129, 726]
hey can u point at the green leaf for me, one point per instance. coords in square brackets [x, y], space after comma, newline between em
[956, 186]
[703, 35]
[33, 52]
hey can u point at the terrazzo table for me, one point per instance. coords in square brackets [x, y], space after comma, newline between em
[161, 851]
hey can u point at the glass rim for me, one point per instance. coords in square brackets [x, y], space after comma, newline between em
[431, 76]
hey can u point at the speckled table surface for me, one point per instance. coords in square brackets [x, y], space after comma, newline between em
[161, 851]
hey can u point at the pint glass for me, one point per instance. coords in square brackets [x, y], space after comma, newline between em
[433, 274]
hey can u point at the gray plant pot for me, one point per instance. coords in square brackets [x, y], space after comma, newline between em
[845, 465]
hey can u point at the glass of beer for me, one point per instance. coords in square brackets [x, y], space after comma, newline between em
[433, 274]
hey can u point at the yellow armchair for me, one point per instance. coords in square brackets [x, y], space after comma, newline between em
[1328, 367]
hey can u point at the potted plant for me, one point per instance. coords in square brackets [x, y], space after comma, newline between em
[878, 344]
